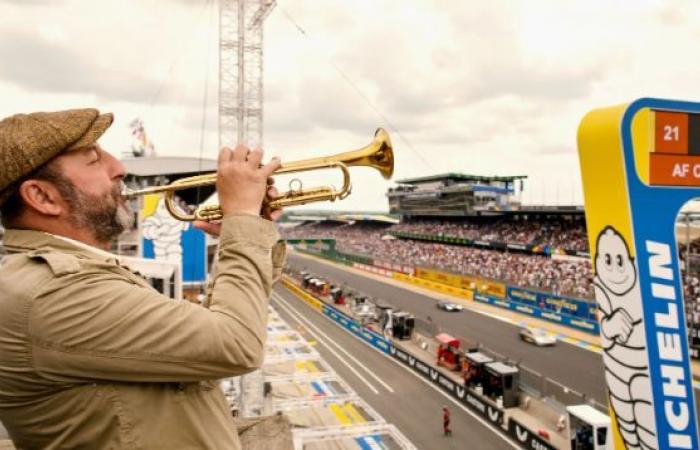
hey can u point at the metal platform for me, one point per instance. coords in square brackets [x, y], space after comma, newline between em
[323, 409]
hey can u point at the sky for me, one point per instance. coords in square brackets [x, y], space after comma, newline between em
[485, 88]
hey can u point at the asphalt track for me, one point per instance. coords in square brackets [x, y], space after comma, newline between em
[579, 369]
[569, 365]
[399, 395]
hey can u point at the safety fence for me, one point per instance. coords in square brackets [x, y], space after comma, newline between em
[426, 327]
[553, 392]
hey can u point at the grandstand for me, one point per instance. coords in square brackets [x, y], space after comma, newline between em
[512, 263]
[455, 194]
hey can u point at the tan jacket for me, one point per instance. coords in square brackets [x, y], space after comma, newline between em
[91, 357]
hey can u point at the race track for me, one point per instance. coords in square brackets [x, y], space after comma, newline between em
[579, 369]
[399, 395]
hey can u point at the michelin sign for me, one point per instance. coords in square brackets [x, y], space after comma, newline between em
[640, 164]
[166, 238]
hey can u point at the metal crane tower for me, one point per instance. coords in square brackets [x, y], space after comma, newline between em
[241, 120]
[241, 70]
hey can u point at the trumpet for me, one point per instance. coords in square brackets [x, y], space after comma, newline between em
[378, 154]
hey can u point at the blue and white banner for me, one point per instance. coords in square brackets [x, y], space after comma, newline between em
[166, 238]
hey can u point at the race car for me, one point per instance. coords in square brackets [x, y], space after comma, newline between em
[537, 336]
[449, 306]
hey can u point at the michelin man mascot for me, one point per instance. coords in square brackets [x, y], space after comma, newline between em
[624, 341]
[166, 233]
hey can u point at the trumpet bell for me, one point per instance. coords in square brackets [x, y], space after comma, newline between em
[383, 158]
[379, 155]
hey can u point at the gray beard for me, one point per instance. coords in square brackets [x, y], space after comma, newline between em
[106, 217]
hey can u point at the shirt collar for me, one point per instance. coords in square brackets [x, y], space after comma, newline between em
[82, 245]
[22, 241]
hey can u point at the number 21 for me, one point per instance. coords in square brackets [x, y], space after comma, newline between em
[670, 133]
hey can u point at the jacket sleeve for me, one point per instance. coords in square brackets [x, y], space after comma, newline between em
[279, 256]
[97, 324]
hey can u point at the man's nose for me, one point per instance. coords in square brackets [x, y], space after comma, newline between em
[116, 168]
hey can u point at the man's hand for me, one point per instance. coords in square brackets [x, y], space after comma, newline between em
[272, 193]
[241, 181]
[214, 228]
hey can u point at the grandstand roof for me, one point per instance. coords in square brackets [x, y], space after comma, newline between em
[302, 218]
[548, 209]
[460, 177]
[173, 168]
[383, 218]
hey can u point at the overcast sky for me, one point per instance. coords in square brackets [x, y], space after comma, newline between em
[487, 88]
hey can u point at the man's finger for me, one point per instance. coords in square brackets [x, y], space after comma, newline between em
[240, 153]
[271, 166]
[211, 228]
[224, 155]
[254, 157]
[276, 214]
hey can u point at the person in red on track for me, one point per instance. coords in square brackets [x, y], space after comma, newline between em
[446, 421]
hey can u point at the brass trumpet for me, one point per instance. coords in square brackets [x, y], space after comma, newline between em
[377, 154]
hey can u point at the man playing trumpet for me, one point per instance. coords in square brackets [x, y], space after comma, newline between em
[90, 355]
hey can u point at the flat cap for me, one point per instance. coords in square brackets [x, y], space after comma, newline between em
[28, 141]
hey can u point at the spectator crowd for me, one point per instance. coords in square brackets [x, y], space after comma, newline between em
[691, 290]
[568, 277]
[571, 277]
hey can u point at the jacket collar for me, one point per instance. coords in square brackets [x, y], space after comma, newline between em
[24, 241]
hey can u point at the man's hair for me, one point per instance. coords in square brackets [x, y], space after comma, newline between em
[14, 206]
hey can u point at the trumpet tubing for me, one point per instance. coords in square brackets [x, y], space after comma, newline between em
[378, 154]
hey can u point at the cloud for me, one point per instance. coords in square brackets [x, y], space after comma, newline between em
[28, 2]
[481, 87]
[58, 69]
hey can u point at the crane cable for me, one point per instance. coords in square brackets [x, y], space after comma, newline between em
[394, 129]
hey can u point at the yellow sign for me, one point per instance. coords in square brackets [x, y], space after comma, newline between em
[484, 286]
[640, 164]
[467, 294]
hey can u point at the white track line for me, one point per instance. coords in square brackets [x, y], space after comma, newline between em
[339, 347]
[488, 425]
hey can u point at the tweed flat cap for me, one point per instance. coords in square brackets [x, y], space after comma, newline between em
[28, 141]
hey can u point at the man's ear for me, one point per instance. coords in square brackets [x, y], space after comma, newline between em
[42, 196]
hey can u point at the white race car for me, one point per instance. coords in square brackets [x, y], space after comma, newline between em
[449, 306]
[537, 336]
